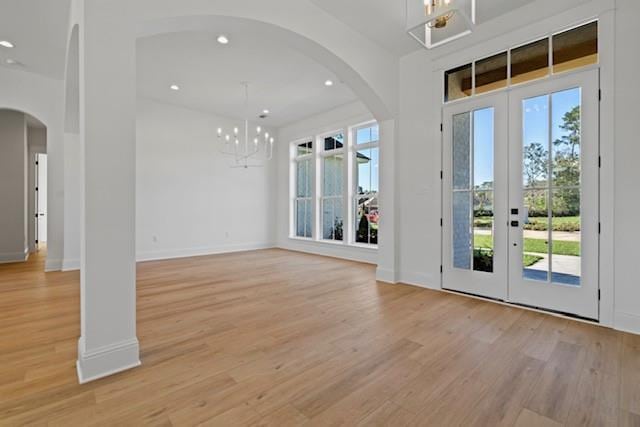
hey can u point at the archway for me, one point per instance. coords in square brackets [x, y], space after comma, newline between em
[23, 173]
[107, 131]
[72, 155]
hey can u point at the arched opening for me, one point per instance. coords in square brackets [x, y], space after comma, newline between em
[23, 188]
[108, 128]
[72, 155]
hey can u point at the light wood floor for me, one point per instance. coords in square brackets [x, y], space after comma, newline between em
[281, 338]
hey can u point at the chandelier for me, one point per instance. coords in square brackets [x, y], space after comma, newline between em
[436, 22]
[249, 146]
[433, 8]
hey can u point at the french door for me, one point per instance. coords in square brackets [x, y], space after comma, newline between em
[520, 213]
[475, 202]
[41, 198]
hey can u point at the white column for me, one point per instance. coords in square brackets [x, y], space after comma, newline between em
[108, 342]
[387, 245]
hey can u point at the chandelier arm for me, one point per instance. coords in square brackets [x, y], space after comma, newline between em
[244, 152]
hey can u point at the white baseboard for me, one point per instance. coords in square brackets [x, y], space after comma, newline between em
[626, 322]
[107, 360]
[334, 250]
[52, 265]
[386, 275]
[74, 264]
[192, 252]
[70, 264]
[8, 257]
[420, 280]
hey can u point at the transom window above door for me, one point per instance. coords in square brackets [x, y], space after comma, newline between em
[556, 53]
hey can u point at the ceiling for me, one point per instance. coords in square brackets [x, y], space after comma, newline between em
[382, 21]
[287, 83]
[38, 29]
[283, 80]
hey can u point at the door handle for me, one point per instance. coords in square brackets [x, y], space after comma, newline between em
[515, 223]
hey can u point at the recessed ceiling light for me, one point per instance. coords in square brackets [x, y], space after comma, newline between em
[265, 111]
[328, 83]
[6, 43]
[222, 39]
[174, 87]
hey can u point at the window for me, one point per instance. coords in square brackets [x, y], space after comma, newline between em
[530, 62]
[304, 148]
[345, 167]
[491, 73]
[303, 204]
[366, 161]
[575, 48]
[457, 83]
[556, 53]
[332, 187]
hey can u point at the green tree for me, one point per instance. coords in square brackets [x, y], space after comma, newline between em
[362, 235]
[566, 165]
[535, 163]
[571, 137]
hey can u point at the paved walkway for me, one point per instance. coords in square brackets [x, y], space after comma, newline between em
[543, 235]
[565, 268]
[557, 235]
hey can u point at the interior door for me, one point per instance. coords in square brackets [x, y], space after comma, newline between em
[475, 196]
[41, 195]
[553, 194]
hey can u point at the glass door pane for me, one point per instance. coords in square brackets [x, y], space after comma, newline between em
[565, 173]
[472, 212]
[475, 196]
[551, 187]
[483, 223]
[553, 233]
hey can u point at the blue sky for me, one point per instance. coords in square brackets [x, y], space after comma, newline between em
[535, 130]
[368, 172]
[483, 145]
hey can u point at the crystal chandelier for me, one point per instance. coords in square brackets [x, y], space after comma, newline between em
[433, 8]
[250, 147]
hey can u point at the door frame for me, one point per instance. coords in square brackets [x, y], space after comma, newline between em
[605, 13]
[605, 181]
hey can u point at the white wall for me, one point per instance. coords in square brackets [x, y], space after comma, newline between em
[418, 175]
[627, 172]
[339, 118]
[13, 186]
[72, 201]
[189, 201]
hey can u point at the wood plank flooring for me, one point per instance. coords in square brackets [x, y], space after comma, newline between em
[277, 338]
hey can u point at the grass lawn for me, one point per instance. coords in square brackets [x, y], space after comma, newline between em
[538, 246]
[529, 260]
